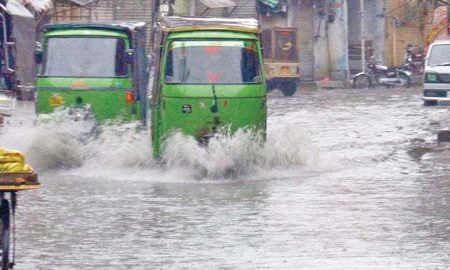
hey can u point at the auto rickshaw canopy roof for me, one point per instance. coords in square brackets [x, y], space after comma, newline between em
[180, 24]
[129, 26]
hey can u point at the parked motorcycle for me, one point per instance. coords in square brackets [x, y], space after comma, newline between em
[379, 74]
[414, 60]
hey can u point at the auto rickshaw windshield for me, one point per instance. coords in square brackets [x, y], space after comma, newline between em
[85, 57]
[212, 62]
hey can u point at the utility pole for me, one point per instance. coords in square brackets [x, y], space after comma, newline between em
[395, 24]
[155, 15]
[394, 37]
[363, 40]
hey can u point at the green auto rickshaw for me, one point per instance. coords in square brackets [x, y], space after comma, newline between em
[99, 66]
[210, 74]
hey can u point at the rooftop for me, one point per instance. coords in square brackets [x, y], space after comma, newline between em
[128, 26]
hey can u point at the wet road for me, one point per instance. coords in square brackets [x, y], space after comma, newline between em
[348, 180]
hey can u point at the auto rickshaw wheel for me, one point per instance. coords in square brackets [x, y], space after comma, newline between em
[269, 85]
[4, 233]
[288, 88]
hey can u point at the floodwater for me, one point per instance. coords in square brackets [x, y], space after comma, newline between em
[348, 179]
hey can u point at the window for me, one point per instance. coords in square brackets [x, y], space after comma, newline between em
[85, 57]
[212, 62]
[439, 54]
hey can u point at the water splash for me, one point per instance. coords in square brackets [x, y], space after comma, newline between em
[54, 143]
[244, 152]
[119, 145]
[226, 154]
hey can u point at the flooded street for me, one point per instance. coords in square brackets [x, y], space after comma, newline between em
[348, 179]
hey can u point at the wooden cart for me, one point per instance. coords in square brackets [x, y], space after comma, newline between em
[11, 183]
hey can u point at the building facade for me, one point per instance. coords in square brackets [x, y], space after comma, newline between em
[329, 32]
[103, 10]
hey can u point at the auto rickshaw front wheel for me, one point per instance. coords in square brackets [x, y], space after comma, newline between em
[288, 88]
[4, 233]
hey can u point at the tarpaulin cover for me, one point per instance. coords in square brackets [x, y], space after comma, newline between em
[218, 3]
[270, 3]
[25, 42]
[183, 22]
[37, 5]
[15, 8]
[23, 32]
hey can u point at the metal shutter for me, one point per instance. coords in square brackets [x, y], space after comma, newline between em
[126, 10]
[245, 9]
[203, 11]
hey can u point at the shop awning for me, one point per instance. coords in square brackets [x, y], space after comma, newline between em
[270, 3]
[218, 3]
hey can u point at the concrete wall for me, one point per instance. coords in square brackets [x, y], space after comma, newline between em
[331, 42]
[375, 30]
[306, 44]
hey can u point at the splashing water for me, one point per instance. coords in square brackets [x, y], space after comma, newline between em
[117, 145]
[230, 155]
[56, 142]
[53, 142]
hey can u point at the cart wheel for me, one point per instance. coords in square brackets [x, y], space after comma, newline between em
[4, 233]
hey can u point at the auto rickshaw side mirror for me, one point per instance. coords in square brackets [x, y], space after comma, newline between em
[38, 56]
[129, 55]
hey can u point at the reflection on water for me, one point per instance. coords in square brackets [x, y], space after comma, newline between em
[347, 180]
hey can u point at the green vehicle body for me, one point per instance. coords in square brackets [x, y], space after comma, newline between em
[118, 93]
[200, 109]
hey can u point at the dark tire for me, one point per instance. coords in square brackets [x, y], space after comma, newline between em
[430, 103]
[362, 81]
[288, 88]
[269, 86]
[405, 78]
[4, 233]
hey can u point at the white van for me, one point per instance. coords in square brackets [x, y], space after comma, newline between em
[436, 86]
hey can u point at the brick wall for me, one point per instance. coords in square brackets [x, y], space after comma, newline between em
[410, 17]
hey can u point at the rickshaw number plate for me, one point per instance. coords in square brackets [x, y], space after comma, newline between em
[285, 70]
